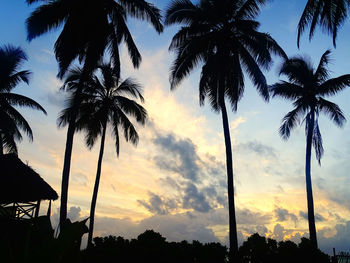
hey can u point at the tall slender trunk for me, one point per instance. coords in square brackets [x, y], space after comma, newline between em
[97, 182]
[67, 159]
[310, 201]
[1, 145]
[233, 253]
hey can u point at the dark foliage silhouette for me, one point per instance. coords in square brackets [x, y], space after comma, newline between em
[328, 14]
[87, 39]
[104, 101]
[34, 241]
[222, 36]
[258, 249]
[11, 121]
[150, 246]
[307, 88]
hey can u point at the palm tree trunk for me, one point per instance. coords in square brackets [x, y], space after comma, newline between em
[97, 182]
[310, 201]
[233, 253]
[1, 146]
[67, 160]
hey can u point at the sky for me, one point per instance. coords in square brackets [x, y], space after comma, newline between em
[174, 181]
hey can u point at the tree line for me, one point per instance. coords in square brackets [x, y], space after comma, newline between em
[220, 36]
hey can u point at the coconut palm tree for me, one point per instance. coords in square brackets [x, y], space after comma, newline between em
[307, 88]
[104, 102]
[89, 28]
[223, 36]
[11, 121]
[328, 14]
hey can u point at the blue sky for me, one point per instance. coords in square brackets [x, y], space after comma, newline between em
[174, 181]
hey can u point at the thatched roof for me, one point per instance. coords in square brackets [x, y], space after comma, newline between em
[20, 183]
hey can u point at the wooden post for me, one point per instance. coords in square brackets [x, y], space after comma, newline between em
[37, 209]
[49, 209]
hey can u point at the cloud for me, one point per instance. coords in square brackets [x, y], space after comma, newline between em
[158, 205]
[284, 215]
[181, 156]
[195, 200]
[248, 217]
[257, 148]
[340, 241]
[318, 217]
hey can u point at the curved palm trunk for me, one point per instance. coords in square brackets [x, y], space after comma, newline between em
[1, 146]
[310, 201]
[97, 182]
[67, 161]
[233, 253]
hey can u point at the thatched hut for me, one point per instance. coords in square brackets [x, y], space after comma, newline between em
[21, 188]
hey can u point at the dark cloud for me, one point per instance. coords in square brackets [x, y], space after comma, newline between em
[257, 148]
[318, 217]
[248, 217]
[198, 181]
[158, 205]
[340, 240]
[284, 215]
[195, 199]
[189, 198]
[179, 156]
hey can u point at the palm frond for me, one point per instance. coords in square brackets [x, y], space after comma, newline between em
[132, 108]
[22, 101]
[305, 18]
[130, 133]
[130, 87]
[317, 142]
[286, 90]
[250, 9]
[181, 12]
[297, 69]
[289, 122]
[19, 120]
[254, 73]
[332, 110]
[333, 86]
[45, 18]
[8, 142]
[322, 72]
[145, 11]
[187, 58]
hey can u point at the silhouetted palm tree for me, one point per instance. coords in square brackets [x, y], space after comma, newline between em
[328, 14]
[223, 36]
[90, 27]
[11, 121]
[307, 89]
[103, 102]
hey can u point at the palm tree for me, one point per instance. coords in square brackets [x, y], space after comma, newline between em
[223, 36]
[103, 102]
[90, 27]
[328, 14]
[307, 88]
[11, 121]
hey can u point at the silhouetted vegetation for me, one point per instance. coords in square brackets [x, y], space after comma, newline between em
[223, 36]
[33, 240]
[11, 121]
[329, 15]
[308, 88]
[104, 101]
[152, 247]
[88, 40]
